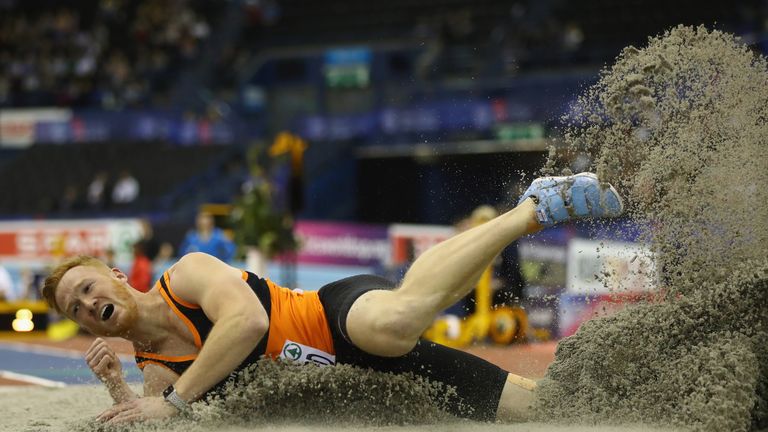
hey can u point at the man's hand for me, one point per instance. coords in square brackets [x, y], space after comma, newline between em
[146, 408]
[107, 367]
[104, 363]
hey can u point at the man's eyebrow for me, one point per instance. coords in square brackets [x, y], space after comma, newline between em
[74, 291]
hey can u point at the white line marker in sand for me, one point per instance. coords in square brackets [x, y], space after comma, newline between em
[31, 379]
[49, 351]
[53, 351]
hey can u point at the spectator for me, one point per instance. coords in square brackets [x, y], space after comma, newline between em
[165, 254]
[141, 272]
[572, 37]
[126, 189]
[151, 245]
[29, 284]
[7, 291]
[109, 258]
[209, 239]
[96, 196]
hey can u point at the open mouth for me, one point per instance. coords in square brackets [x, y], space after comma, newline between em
[107, 311]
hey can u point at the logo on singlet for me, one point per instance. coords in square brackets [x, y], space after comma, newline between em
[292, 351]
[299, 353]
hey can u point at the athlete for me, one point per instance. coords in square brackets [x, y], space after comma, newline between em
[205, 320]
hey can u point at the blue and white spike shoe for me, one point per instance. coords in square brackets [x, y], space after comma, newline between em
[559, 199]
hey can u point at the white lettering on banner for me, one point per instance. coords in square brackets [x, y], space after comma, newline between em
[26, 243]
[346, 246]
[302, 354]
[46, 242]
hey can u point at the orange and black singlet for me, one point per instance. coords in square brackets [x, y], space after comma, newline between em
[298, 328]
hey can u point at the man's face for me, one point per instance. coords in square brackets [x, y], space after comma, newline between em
[98, 300]
[204, 222]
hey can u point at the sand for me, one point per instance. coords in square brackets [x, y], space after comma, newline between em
[34, 409]
[680, 127]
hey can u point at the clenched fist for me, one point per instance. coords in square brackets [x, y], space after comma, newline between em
[104, 363]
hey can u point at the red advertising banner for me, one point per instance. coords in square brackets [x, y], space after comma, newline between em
[45, 240]
[7, 243]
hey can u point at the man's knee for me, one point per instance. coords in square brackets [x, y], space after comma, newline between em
[398, 330]
[385, 326]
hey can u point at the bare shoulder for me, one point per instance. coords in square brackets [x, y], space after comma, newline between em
[199, 264]
[196, 271]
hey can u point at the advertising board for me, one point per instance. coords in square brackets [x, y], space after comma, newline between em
[342, 244]
[44, 241]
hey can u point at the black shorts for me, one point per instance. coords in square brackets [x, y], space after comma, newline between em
[478, 383]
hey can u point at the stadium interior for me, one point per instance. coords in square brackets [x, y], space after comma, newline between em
[324, 137]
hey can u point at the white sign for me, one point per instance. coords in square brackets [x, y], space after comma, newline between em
[17, 126]
[606, 267]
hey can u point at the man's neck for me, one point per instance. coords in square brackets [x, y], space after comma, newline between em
[152, 325]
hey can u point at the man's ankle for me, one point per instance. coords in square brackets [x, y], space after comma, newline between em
[528, 207]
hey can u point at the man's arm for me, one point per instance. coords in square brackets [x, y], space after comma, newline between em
[239, 320]
[107, 367]
[239, 323]
[156, 379]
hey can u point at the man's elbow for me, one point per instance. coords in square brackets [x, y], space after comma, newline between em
[253, 326]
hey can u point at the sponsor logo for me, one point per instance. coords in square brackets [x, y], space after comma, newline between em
[292, 351]
[299, 353]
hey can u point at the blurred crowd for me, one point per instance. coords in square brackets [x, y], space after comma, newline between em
[117, 54]
[103, 193]
[458, 43]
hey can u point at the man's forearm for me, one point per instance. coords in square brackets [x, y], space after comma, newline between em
[227, 345]
[120, 391]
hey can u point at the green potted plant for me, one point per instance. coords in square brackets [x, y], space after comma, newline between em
[261, 230]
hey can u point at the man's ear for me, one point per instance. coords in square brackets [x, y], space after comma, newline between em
[119, 274]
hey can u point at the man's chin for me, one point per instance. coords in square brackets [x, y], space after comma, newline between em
[108, 333]
[101, 332]
[116, 329]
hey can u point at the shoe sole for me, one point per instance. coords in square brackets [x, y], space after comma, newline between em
[610, 186]
[594, 177]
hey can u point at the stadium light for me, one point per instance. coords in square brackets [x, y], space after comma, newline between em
[23, 321]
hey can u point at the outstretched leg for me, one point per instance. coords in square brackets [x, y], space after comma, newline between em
[389, 323]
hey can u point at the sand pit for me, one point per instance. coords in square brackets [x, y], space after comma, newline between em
[65, 410]
[680, 127]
